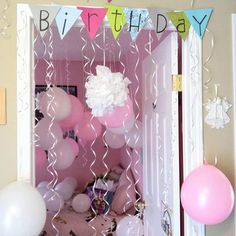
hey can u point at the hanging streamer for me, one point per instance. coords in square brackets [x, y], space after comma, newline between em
[4, 22]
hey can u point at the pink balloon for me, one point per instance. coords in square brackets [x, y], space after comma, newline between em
[47, 134]
[207, 195]
[55, 103]
[65, 190]
[81, 203]
[89, 128]
[114, 140]
[40, 158]
[54, 202]
[75, 115]
[133, 138]
[63, 154]
[74, 145]
[119, 116]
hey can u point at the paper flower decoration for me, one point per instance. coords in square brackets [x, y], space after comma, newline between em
[106, 90]
[217, 112]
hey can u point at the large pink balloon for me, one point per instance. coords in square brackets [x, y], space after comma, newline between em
[74, 145]
[75, 115]
[55, 103]
[47, 134]
[89, 128]
[63, 154]
[207, 195]
[119, 116]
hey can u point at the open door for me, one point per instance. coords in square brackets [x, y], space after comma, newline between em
[161, 148]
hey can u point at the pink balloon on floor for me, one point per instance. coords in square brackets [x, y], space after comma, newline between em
[74, 145]
[207, 195]
[88, 128]
[81, 203]
[47, 133]
[118, 116]
[75, 115]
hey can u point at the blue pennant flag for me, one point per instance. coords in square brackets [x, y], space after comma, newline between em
[199, 19]
[66, 18]
[136, 20]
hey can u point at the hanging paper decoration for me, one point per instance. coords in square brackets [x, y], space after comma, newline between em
[159, 20]
[92, 18]
[106, 90]
[116, 18]
[43, 16]
[65, 19]
[181, 23]
[136, 19]
[199, 19]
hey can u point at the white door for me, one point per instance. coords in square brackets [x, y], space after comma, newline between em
[161, 152]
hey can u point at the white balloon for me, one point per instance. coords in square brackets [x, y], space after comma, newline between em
[72, 181]
[81, 203]
[63, 154]
[114, 140]
[130, 226]
[22, 210]
[54, 202]
[43, 184]
[124, 128]
[65, 190]
[47, 134]
[134, 137]
[55, 103]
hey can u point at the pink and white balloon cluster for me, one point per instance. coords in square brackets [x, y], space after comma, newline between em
[55, 198]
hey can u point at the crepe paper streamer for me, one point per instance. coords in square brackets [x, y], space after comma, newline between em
[92, 18]
[65, 19]
[159, 20]
[199, 19]
[137, 19]
[116, 18]
[43, 16]
[181, 23]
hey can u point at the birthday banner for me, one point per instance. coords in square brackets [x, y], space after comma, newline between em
[118, 17]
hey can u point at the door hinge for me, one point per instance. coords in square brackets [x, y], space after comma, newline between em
[177, 83]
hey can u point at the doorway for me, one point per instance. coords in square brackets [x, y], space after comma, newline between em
[26, 168]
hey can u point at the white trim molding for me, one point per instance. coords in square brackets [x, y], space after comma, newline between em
[192, 116]
[192, 105]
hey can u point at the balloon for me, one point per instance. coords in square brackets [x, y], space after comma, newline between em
[124, 128]
[74, 145]
[81, 203]
[42, 190]
[75, 115]
[64, 155]
[134, 137]
[65, 190]
[130, 226]
[89, 128]
[55, 103]
[207, 195]
[43, 184]
[47, 134]
[118, 116]
[54, 202]
[72, 181]
[22, 210]
[40, 158]
[114, 140]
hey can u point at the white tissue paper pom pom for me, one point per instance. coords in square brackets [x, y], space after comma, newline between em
[106, 90]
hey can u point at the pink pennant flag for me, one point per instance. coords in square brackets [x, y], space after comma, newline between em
[92, 18]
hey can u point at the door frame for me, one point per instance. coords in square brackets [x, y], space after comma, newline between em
[192, 105]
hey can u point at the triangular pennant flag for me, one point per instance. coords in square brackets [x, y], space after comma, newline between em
[181, 23]
[159, 21]
[199, 19]
[65, 19]
[116, 18]
[92, 18]
[137, 19]
[43, 16]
